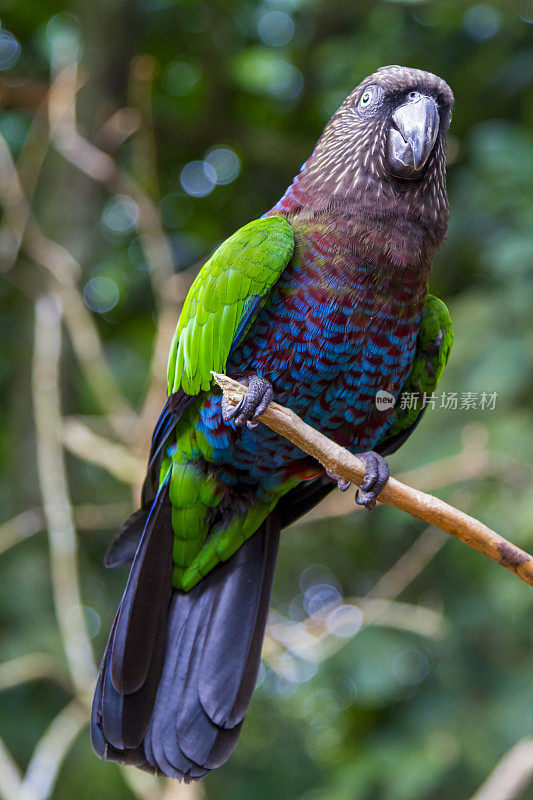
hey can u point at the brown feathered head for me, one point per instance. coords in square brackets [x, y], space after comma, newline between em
[383, 151]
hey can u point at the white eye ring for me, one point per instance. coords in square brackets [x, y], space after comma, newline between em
[367, 98]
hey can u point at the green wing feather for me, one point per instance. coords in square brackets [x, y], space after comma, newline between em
[433, 348]
[244, 267]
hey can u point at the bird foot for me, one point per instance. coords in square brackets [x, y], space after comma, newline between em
[260, 393]
[376, 476]
[342, 483]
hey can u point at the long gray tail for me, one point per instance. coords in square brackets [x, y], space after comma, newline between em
[180, 668]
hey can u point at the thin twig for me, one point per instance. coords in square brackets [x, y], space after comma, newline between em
[56, 500]
[50, 751]
[403, 572]
[90, 516]
[10, 776]
[169, 290]
[65, 271]
[183, 791]
[143, 785]
[424, 506]
[87, 516]
[100, 167]
[510, 776]
[16, 209]
[118, 128]
[403, 616]
[21, 527]
[17, 191]
[316, 639]
[82, 328]
[32, 667]
[94, 449]
[143, 69]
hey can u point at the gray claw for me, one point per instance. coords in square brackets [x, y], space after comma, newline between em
[342, 483]
[376, 476]
[229, 410]
[365, 499]
[251, 406]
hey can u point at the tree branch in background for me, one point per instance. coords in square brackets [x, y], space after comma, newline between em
[94, 449]
[424, 506]
[64, 271]
[510, 776]
[56, 500]
[82, 329]
[50, 751]
[169, 289]
[315, 638]
[19, 229]
[318, 637]
[100, 167]
[10, 776]
[87, 516]
[403, 572]
[33, 667]
[18, 192]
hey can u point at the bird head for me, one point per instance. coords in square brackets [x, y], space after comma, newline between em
[396, 117]
[385, 146]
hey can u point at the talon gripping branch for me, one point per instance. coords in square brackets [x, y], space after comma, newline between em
[321, 303]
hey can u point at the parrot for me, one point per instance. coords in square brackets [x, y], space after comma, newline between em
[321, 303]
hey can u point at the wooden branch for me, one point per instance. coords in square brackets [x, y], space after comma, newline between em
[424, 506]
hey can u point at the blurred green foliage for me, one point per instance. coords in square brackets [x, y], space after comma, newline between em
[241, 91]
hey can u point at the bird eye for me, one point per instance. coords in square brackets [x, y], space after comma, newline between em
[366, 99]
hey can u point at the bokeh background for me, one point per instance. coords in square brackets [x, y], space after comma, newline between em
[134, 136]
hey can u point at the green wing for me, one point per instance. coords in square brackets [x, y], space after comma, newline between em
[223, 300]
[433, 348]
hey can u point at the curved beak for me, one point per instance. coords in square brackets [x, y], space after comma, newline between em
[414, 130]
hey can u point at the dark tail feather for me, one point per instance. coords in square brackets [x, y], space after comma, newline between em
[145, 601]
[199, 667]
[122, 548]
[126, 541]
